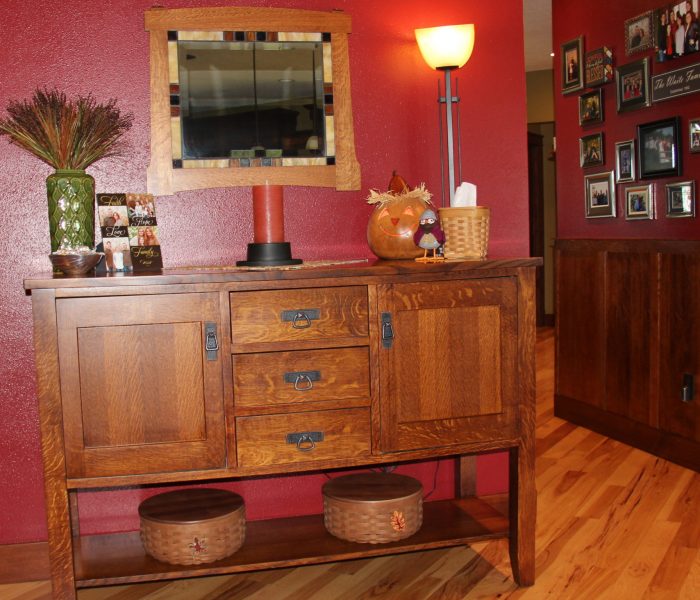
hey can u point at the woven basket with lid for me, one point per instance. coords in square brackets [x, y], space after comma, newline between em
[373, 508]
[193, 526]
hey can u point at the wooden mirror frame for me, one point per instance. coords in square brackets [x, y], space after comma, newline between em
[164, 180]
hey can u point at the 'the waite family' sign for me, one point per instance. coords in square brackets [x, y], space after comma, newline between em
[676, 83]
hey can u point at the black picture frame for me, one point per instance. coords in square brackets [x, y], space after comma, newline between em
[640, 33]
[599, 192]
[625, 161]
[590, 108]
[591, 150]
[632, 85]
[572, 65]
[659, 148]
[680, 199]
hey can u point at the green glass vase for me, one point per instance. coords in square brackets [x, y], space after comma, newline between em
[71, 196]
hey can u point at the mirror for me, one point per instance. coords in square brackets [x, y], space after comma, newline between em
[251, 99]
[245, 96]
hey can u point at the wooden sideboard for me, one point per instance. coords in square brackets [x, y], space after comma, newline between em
[627, 342]
[190, 376]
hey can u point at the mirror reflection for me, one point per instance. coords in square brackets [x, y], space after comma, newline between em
[251, 99]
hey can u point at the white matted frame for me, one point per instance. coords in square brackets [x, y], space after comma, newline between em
[639, 202]
[599, 193]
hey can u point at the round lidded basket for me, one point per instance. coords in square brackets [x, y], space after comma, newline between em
[373, 508]
[466, 231]
[193, 526]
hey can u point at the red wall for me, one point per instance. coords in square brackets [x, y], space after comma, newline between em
[602, 24]
[100, 46]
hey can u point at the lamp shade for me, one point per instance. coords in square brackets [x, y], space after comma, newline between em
[446, 47]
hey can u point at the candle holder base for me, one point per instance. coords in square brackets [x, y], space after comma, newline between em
[272, 254]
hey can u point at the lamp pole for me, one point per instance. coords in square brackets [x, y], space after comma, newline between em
[448, 100]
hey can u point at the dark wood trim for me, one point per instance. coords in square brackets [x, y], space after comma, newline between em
[24, 562]
[665, 445]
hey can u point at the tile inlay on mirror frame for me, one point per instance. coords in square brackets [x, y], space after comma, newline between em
[262, 158]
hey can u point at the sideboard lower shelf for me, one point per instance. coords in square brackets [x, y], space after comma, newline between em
[120, 558]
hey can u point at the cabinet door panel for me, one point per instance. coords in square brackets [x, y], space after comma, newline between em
[443, 381]
[139, 395]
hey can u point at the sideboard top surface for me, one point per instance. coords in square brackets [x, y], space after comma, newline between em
[214, 274]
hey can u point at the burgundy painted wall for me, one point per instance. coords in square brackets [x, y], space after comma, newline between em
[100, 46]
[602, 24]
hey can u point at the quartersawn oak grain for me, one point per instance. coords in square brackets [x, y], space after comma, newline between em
[483, 309]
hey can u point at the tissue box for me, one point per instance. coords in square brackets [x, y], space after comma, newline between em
[466, 230]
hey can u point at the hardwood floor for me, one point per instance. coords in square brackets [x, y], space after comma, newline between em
[614, 523]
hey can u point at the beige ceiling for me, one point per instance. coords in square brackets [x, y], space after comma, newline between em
[537, 22]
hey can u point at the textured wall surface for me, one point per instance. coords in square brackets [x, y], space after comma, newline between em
[100, 47]
[602, 24]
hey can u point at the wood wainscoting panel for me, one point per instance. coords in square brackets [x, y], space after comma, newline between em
[580, 340]
[628, 332]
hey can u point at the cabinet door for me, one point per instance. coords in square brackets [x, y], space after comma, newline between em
[450, 375]
[140, 393]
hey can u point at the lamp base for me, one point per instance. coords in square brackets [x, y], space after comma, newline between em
[270, 254]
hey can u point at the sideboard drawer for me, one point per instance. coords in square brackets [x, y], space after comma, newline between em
[309, 315]
[301, 376]
[323, 435]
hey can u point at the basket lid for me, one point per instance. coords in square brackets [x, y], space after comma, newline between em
[370, 487]
[190, 506]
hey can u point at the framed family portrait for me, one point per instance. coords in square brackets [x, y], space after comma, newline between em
[680, 199]
[571, 65]
[632, 85]
[590, 107]
[639, 202]
[639, 33]
[598, 66]
[694, 135]
[591, 150]
[599, 192]
[659, 153]
[677, 29]
[624, 161]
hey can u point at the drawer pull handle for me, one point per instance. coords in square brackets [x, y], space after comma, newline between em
[303, 380]
[306, 440]
[301, 318]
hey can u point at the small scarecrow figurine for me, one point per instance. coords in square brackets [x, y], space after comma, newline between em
[429, 236]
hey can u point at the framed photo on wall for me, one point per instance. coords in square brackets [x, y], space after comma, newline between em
[694, 135]
[599, 192]
[676, 25]
[598, 66]
[639, 202]
[624, 161]
[571, 65]
[659, 152]
[680, 199]
[632, 85]
[591, 150]
[590, 107]
[639, 33]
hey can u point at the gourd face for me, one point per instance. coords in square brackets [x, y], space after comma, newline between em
[391, 227]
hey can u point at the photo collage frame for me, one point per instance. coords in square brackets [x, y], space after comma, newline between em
[130, 236]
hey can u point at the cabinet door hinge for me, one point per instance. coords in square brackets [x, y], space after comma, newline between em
[387, 330]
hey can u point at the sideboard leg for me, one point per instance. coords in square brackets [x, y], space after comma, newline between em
[522, 512]
[52, 446]
[465, 476]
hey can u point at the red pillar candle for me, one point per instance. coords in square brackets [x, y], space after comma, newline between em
[268, 214]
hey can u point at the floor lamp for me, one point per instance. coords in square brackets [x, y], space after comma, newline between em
[446, 49]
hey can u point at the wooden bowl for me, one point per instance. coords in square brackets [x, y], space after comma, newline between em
[75, 265]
